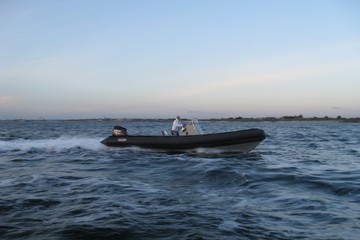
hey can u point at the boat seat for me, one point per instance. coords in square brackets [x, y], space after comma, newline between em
[164, 133]
[169, 133]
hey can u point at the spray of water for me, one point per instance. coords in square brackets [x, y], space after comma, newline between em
[56, 144]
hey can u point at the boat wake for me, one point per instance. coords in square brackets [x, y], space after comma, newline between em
[53, 144]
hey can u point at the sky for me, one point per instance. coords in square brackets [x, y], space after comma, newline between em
[161, 58]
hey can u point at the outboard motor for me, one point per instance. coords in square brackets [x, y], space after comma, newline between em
[119, 131]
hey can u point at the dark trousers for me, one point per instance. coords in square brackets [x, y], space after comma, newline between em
[174, 133]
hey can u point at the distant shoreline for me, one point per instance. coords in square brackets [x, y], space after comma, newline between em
[230, 119]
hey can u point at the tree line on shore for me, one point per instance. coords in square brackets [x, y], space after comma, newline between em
[294, 118]
[240, 119]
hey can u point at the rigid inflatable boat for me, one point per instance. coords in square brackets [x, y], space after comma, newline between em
[191, 137]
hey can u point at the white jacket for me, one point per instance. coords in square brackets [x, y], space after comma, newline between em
[176, 125]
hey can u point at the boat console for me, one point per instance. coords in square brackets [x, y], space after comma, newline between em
[191, 128]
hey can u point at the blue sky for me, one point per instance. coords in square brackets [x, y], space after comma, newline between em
[81, 58]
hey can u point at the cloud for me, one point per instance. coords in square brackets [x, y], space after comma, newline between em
[5, 99]
[335, 58]
[242, 80]
[8, 101]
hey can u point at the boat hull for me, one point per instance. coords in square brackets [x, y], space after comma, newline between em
[242, 141]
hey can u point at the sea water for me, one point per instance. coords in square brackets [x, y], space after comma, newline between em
[57, 181]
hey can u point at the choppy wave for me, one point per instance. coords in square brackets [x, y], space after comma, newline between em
[293, 186]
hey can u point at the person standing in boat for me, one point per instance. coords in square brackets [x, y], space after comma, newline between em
[177, 125]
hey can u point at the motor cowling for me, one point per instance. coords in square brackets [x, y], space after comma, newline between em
[119, 131]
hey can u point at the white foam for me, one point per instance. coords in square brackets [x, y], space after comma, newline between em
[228, 225]
[6, 182]
[56, 144]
